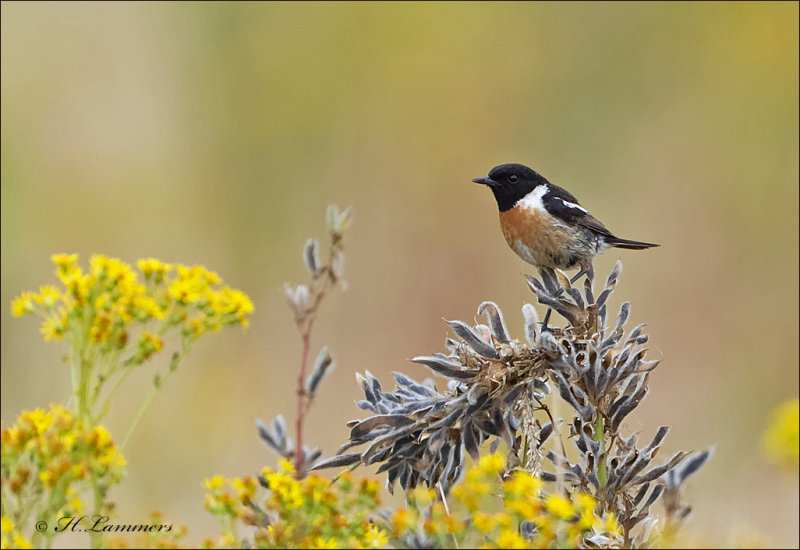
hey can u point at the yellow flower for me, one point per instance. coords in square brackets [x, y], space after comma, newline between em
[120, 462]
[502, 520]
[52, 328]
[64, 261]
[38, 419]
[197, 326]
[211, 277]
[610, 524]
[320, 542]
[11, 437]
[453, 524]
[186, 291]
[115, 270]
[151, 343]
[470, 492]
[422, 497]
[197, 272]
[76, 504]
[286, 466]
[150, 266]
[17, 540]
[587, 520]
[483, 522]
[560, 506]
[214, 483]
[148, 307]
[403, 520]
[245, 488]
[240, 302]
[23, 304]
[376, 537]
[49, 295]
[101, 437]
[584, 501]
[781, 440]
[493, 464]
[6, 525]
[77, 284]
[510, 539]
[101, 329]
[21, 542]
[46, 477]
[523, 484]
[228, 540]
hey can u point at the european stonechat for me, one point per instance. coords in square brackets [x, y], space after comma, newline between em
[544, 224]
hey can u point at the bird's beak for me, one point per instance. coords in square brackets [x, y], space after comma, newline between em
[485, 181]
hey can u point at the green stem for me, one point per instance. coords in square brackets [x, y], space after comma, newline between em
[173, 365]
[139, 414]
[75, 374]
[95, 537]
[107, 405]
[339, 475]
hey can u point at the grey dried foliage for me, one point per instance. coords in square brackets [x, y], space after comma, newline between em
[304, 301]
[323, 365]
[275, 437]
[495, 387]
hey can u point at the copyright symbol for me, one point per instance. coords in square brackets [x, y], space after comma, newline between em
[41, 526]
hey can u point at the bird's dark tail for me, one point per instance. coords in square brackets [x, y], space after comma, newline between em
[625, 243]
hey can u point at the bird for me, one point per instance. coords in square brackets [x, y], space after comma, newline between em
[545, 225]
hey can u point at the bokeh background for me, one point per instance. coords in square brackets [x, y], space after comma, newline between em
[217, 133]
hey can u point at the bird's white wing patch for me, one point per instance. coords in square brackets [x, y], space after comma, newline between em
[572, 205]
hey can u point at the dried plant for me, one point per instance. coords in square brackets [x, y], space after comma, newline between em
[304, 301]
[495, 387]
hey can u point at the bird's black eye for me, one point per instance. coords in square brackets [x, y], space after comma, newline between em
[513, 178]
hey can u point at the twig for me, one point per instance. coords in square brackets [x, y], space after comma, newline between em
[301, 410]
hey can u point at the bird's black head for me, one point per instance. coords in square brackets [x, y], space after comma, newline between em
[511, 182]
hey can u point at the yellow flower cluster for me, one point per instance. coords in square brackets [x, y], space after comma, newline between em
[425, 514]
[10, 537]
[781, 441]
[220, 502]
[164, 535]
[555, 521]
[48, 454]
[113, 317]
[110, 298]
[307, 513]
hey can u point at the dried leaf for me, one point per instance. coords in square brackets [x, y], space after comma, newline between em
[612, 277]
[365, 426]
[323, 365]
[532, 330]
[337, 461]
[446, 368]
[495, 318]
[695, 463]
[311, 256]
[473, 341]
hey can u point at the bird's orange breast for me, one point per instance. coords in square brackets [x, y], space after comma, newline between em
[536, 236]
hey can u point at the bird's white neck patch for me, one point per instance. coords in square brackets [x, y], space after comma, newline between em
[533, 200]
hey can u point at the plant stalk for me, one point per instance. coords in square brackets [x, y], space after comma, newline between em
[600, 437]
[301, 409]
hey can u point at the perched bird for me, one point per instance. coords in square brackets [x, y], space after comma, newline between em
[544, 224]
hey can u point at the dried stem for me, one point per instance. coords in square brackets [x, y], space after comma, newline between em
[600, 437]
[322, 278]
[305, 324]
[301, 409]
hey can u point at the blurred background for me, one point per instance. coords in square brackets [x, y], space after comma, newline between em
[217, 133]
